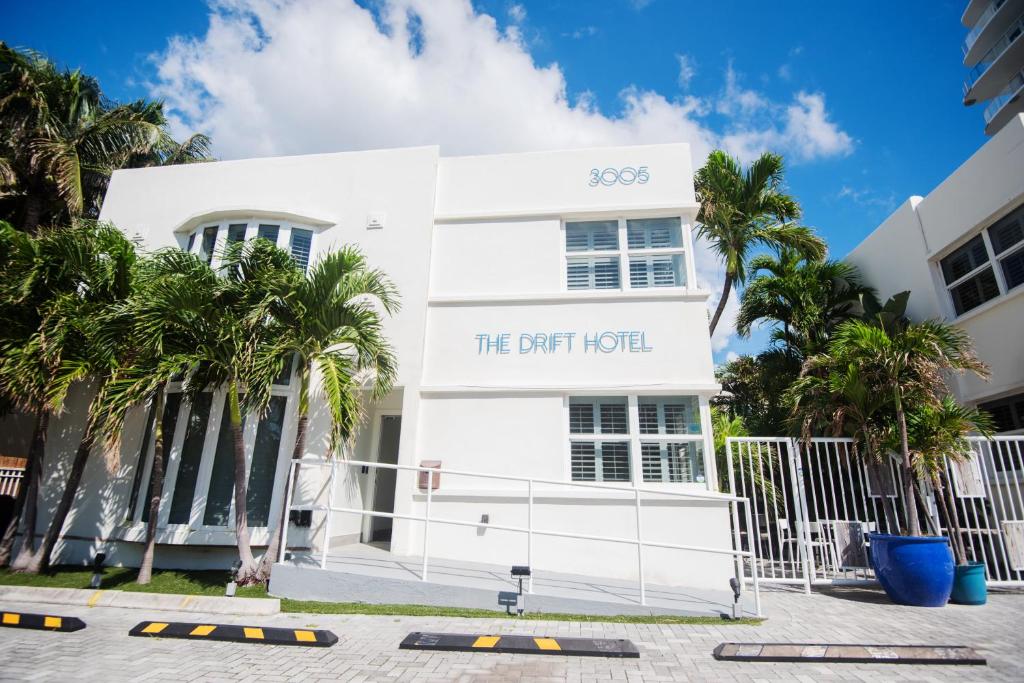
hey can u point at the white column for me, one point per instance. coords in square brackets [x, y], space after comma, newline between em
[635, 461]
[691, 267]
[710, 467]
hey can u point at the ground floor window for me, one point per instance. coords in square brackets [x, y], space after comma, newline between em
[199, 479]
[662, 433]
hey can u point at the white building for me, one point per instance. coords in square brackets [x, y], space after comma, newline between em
[960, 250]
[994, 51]
[551, 327]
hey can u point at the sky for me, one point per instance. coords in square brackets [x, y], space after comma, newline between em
[862, 98]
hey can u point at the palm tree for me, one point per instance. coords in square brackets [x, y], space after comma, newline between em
[159, 321]
[937, 435]
[806, 298]
[740, 211]
[332, 323]
[33, 276]
[62, 139]
[98, 261]
[832, 397]
[903, 365]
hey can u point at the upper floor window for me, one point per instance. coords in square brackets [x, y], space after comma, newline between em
[653, 254]
[988, 265]
[208, 241]
[1007, 413]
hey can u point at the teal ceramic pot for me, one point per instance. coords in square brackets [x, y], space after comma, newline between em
[969, 584]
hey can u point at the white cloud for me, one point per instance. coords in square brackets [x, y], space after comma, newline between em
[736, 100]
[517, 13]
[802, 130]
[582, 32]
[273, 77]
[868, 198]
[785, 72]
[731, 356]
[687, 70]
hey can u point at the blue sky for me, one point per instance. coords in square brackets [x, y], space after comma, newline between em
[862, 98]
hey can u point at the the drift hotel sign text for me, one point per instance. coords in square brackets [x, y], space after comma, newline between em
[609, 341]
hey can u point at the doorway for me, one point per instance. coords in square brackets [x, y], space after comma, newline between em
[383, 486]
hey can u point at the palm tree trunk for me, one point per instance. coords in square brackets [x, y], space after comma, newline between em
[721, 302]
[956, 538]
[909, 492]
[248, 568]
[156, 488]
[33, 210]
[33, 463]
[277, 536]
[41, 560]
[33, 476]
[892, 523]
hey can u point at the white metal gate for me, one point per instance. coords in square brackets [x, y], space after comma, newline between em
[989, 506]
[813, 504]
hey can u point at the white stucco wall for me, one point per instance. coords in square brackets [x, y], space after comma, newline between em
[475, 245]
[904, 251]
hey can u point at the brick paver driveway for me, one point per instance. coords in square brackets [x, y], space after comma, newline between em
[367, 648]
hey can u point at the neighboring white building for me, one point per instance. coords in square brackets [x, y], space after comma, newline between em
[551, 327]
[994, 51]
[960, 250]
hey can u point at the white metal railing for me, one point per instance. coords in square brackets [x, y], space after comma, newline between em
[530, 531]
[10, 480]
[987, 494]
[814, 503]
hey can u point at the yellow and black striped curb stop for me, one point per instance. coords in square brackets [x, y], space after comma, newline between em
[526, 645]
[41, 622]
[235, 634]
[813, 653]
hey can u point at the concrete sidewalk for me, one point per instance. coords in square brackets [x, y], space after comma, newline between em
[368, 646]
[200, 604]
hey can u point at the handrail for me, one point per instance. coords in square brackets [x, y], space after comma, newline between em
[529, 530]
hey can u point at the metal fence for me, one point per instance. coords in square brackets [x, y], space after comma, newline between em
[10, 481]
[814, 503]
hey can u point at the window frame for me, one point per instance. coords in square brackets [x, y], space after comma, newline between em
[197, 511]
[994, 262]
[636, 438]
[623, 254]
[193, 242]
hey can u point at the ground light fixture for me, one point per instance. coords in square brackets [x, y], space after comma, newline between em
[97, 570]
[511, 598]
[232, 575]
[737, 610]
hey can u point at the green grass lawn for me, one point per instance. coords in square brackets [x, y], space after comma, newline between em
[212, 583]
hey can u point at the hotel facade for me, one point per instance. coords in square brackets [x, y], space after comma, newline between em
[551, 328]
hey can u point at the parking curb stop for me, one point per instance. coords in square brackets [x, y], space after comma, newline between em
[517, 644]
[41, 622]
[235, 634]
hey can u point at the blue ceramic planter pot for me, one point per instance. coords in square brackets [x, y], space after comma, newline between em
[969, 584]
[913, 570]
